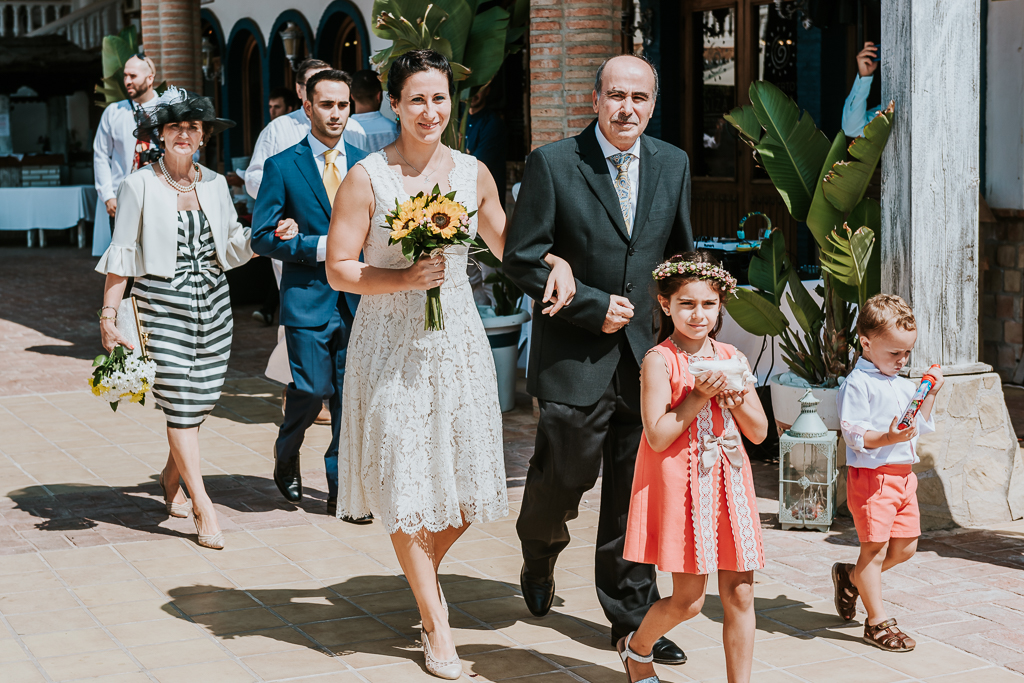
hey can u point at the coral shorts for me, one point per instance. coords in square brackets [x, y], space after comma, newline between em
[883, 502]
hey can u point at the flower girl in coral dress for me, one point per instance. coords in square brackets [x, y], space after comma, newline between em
[692, 510]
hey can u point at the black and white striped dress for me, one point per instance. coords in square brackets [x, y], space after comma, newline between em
[188, 319]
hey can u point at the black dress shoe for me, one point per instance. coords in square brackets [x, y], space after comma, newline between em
[332, 507]
[289, 480]
[537, 594]
[364, 519]
[664, 651]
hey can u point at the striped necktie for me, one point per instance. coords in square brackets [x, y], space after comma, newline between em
[332, 179]
[622, 189]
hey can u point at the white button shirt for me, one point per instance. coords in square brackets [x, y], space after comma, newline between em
[113, 151]
[284, 132]
[341, 161]
[868, 401]
[633, 173]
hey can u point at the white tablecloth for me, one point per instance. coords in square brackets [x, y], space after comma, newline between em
[50, 208]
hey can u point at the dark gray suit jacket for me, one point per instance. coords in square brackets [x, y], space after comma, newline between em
[567, 206]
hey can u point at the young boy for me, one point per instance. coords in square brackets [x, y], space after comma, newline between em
[881, 485]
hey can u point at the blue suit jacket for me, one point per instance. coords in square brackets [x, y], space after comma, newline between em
[293, 188]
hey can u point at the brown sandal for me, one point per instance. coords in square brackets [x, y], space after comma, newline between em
[846, 592]
[888, 636]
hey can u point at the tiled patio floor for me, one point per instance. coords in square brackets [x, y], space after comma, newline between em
[97, 583]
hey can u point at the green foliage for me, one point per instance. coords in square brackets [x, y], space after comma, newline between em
[115, 51]
[821, 186]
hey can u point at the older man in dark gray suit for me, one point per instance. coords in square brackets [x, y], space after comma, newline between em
[613, 203]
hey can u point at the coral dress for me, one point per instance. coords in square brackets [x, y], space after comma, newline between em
[693, 508]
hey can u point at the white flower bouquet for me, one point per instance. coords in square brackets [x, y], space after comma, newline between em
[122, 376]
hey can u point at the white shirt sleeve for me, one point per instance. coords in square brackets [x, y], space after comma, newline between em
[266, 143]
[321, 249]
[102, 151]
[854, 414]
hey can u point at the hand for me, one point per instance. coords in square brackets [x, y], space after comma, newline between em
[939, 380]
[286, 229]
[560, 288]
[620, 311]
[426, 273]
[111, 337]
[895, 435]
[730, 398]
[866, 64]
[111, 207]
[709, 384]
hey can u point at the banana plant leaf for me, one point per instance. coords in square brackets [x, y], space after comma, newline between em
[457, 28]
[485, 48]
[769, 266]
[744, 120]
[792, 149]
[806, 310]
[848, 261]
[755, 314]
[868, 214]
[846, 184]
[823, 217]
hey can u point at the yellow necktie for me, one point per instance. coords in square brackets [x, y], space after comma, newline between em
[332, 179]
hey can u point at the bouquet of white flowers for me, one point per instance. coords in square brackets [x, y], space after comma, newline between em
[122, 376]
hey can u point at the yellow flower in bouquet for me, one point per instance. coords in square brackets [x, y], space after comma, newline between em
[428, 224]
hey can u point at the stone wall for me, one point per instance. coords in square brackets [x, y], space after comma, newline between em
[1002, 265]
[971, 471]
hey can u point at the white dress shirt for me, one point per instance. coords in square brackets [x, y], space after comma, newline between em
[341, 161]
[868, 401]
[378, 131]
[282, 133]
[633, 173]
[113, 152]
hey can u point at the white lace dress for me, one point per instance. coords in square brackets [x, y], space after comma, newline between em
[421, 438]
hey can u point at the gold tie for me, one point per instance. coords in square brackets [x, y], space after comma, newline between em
[332, 179]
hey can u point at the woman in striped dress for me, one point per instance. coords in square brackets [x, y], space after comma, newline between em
[175, 232]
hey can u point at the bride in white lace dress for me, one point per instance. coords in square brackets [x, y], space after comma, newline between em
[421, 444]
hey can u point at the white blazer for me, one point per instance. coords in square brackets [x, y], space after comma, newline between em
[145, 239]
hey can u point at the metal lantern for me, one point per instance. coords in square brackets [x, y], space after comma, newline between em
[807, 470]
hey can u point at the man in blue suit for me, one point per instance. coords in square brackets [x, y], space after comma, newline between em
[290, 222]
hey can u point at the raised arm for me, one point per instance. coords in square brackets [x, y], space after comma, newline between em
[345, 239]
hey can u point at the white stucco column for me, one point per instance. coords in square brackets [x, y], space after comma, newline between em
[930, 177]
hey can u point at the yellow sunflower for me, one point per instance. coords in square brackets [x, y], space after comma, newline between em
[409, 216]
[445, 217]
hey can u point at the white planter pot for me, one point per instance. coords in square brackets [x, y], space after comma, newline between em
[786, 401]
[503, 333]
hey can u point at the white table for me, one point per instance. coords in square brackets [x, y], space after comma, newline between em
[36, 209]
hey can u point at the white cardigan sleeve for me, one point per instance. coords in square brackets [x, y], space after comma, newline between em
[124, 255]
[237, 251]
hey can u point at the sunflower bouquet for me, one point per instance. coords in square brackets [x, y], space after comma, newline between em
[429, 224]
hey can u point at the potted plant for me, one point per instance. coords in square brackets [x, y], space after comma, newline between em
[115, 52]
[824, 187]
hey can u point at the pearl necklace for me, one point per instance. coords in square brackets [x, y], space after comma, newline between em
[182, 189]
[693, 356]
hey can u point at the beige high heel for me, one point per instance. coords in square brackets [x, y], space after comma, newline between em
[212, 541]
[450, 669]
[180, 510]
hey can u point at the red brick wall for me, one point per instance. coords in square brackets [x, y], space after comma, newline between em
[1002, 313]
[171, 37]
[568, 41]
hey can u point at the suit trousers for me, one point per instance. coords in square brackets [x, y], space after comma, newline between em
[316, 356]
[572, 445]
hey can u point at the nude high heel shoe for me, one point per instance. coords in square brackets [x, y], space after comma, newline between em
[180, 510]
[212, 541]
[449, 670]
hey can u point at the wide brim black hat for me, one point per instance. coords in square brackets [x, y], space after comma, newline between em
[176, 106]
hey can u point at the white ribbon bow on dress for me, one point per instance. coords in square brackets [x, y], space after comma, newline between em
[727, 445]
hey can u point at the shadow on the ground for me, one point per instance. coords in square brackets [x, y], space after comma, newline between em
[356, 616]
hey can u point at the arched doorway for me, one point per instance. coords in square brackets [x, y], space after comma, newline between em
[281, 74]
[245, 76]
[342, 40]
[212, 43]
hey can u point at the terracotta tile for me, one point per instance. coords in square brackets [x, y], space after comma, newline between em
[222, 672]
[263, 642]
[850, 670]
[315, 550]
[245, 559]
[496, 666]
[81, 557]
[37, 601]
[220, 601]
[115, 593]
[226, 623]
[317, 609]
[379, 652]
[89, 576]
[173, 566]
[68, 643]
[11, 651]
[23, 672]
[294, 663]
[543, 629]
[927, 660]
[48, 622]
[88, 665]
[178, 653]
[130, 612]
[189, 584]
[155, 632]
[346, 631]
[408, 672]
[266, 576]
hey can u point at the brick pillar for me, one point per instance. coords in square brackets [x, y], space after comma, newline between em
[568, 41]
[171, 37]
